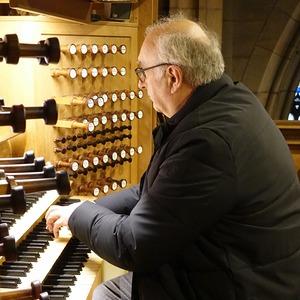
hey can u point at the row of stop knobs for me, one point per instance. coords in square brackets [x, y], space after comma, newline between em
[83, 72]
[94, 49]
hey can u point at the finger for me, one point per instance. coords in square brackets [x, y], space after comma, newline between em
[56, 227]
[51, 219]
[49, 227]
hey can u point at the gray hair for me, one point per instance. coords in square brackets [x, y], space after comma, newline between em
[195, 50]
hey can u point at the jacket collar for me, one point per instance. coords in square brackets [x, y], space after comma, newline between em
[200, 96]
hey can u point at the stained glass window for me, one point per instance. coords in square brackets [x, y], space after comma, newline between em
[295, 109]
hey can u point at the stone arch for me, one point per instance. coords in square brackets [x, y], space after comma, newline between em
[277, 52]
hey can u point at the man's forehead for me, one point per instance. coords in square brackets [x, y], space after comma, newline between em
[146, 53]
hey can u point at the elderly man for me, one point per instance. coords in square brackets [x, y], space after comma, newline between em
[217, 213]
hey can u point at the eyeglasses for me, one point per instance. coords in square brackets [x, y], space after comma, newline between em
[140, 72]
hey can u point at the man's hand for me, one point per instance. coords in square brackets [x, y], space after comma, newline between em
[58, 216]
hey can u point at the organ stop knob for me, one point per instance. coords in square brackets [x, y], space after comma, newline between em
[47, 51]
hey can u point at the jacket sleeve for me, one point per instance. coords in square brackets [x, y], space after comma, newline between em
[186, 191]
[121, 202]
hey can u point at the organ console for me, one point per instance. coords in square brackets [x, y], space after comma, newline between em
[99, 127]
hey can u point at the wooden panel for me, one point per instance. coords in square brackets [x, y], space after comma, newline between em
[291, 133]
[71, 10]
[60, 9]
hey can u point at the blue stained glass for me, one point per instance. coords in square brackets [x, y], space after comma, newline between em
[295, 109]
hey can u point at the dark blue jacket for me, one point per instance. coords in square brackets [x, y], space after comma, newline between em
[217, 213]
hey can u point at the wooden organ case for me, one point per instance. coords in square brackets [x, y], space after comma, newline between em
[102, 137]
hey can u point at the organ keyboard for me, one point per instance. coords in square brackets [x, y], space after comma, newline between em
[39, 253]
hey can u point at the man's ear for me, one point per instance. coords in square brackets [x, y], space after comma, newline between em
[175, 78]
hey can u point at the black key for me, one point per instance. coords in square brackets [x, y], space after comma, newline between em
[8, 284]
[60, 281]
[48, 287]
[13, 272]
[4, 278]
[28, 258]
[18, 263]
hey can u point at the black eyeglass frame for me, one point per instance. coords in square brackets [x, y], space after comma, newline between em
[141, 71]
